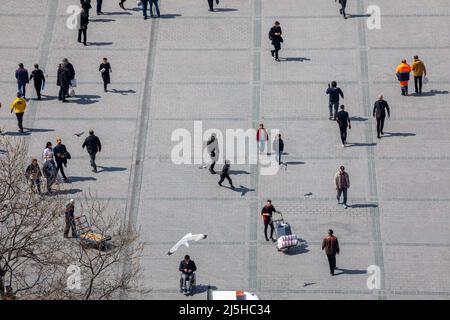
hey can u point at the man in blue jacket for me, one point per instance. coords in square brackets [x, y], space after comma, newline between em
[22, 79]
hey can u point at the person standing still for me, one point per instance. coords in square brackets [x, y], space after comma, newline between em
[276, 38]
[22, 79]
[334, 91]
[262, 137]
[69, 217]
[418, 67]
[18, 106]
[225, 174]
[61, 156]
[342, 183]
[99, 7]
[266, 213]
[343, 121]
[83, 26]
[331, 246]
[154, 3]
[402, 71]
[37, 75]
[93, 145]
[379, 112]
[105, 69]
[63, 81]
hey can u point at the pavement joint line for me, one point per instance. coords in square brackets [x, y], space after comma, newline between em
[96, 49]
[373, 188]
[254, 178]
[141, 137]
[42, 58]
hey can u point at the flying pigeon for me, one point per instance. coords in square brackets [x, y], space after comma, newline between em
[79, 134]
[185, 240]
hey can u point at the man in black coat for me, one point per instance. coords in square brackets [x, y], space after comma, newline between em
[86, 6]
[379, 112]
[22, 79]
[61, 156]
[343, 120]
[225, 174]
[278, 147]
[83, 25]
[69, 67]
[275, 36]
[38, 76]
[93, 145]
[63, 81]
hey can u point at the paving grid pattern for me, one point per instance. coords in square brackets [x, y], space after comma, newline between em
[223, 75]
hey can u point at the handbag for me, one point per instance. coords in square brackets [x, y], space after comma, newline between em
[425, 79]
[73, 83]
[67, 155]
[71, 92]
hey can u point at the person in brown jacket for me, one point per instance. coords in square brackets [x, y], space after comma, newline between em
[331, 246]
[342, 182]
[418, 67]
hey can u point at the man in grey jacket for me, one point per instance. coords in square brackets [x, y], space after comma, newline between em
[342, 183]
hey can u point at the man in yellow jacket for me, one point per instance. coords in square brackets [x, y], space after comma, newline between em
[418, 67]
[18, 106]
[402, 71]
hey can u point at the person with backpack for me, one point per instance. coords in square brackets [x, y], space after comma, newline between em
[275, 36]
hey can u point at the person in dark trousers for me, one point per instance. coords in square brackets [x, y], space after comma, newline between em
[145, 4]
[69, 217]
[83, 26]
[154, 3]
[187, 268]
[343, 121]
[121, 2]
[37, 75]
[343, 4]
[99, 7]
[342, 183]
[61, 157]
[213, 150]
[86, 6]
[22, 79]
[278, 147]
[266, 213]
[211, 4]
[63, 81]
[225, 174]
[331, 246]
[105, 69]
[275, 36]
[334, 91]
[33, 174]
[419, 70]
[18, 107]
[379, 112]
[93, 145]
[69, 67]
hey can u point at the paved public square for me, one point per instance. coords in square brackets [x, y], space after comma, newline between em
[216, 67]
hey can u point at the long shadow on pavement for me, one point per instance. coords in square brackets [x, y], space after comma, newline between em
[349, 271]
[398, 134]
[111, 169]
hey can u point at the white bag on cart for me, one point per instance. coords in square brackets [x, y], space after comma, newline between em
[284, 242]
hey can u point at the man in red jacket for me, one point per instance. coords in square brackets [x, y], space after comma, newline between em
[331, 246]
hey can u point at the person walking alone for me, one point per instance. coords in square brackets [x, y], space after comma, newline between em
[83, 26]
[331, 246]
[266, 213]
[342, 183]
[276, 38]
[278, 147]
[18, 106]
[418, 67]
[22, 80]
[213, 149]
[225, 174]
[154, 3]
[61, 156]
[262, 137]
[343, 4]
[343, 121]
[379, 112]
[37, 75]
[334, 91]
[99, 7]
[105, 69]
[121, 2]
[402, 71]
[69, 218]
[93, 145]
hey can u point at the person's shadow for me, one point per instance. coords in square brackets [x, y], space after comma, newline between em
[123, 92]
[358, 119]
[100, 43]
[85, 99]
[349, 271]
[295, 59]
[237, 172]
[81, 179]
[225, 9]
[398, 134]
[111, 169]
[169, 16]
[102, 20]
[429, 93]
[241, 189]
[363, 205]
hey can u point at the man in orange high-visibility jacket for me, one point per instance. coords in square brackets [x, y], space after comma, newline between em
[402, 71]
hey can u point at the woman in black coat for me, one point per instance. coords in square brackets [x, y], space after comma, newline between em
[105, 69]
